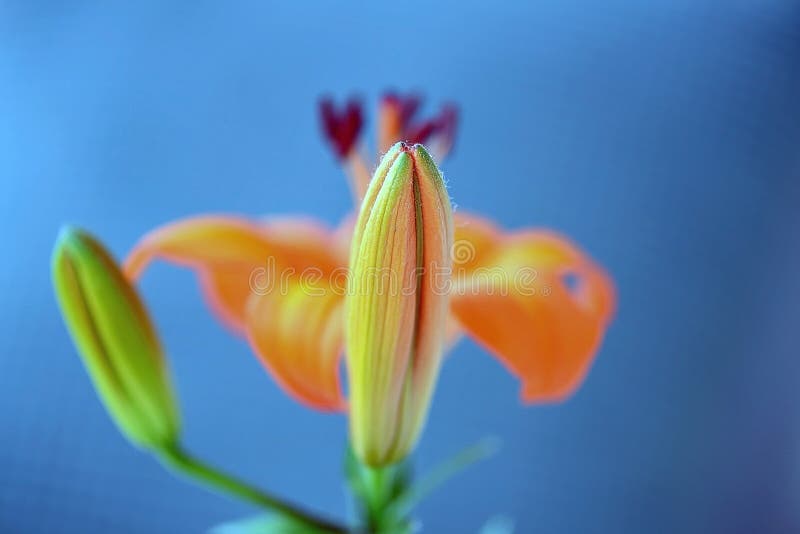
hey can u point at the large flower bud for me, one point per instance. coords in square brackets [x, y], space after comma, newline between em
[397, 303]
[116, 340]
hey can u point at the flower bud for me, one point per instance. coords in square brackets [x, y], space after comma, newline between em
[116, 340]
[397, 303]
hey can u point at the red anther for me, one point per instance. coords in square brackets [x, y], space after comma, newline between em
[341, 128]
[421, 132]
[406, 105]
[448, 124]
[443, 125]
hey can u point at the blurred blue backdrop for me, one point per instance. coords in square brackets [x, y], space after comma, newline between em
[662, 136]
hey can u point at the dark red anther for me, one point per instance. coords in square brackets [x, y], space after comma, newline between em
[406, 105]
[419, 133]
[341, 128]
[443, 125]
[448, 124]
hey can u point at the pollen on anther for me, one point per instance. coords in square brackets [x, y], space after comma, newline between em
[341, 127]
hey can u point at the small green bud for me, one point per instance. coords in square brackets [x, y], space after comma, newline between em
[116, 340]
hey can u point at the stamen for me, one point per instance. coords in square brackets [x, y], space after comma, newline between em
[447, 125]
[406, 106]
[448, 120]
[397, 123]
[358, 174]
[341, 128]
[443, 125]
[395, 113]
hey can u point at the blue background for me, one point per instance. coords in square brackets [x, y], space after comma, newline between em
[662, 136]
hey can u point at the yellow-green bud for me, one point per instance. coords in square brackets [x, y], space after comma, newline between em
[397, 303]
[116, 340]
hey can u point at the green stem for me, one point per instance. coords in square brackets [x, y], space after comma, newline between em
[377, 482]
[182, 462]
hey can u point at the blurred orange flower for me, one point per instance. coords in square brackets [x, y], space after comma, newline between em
[532, 298]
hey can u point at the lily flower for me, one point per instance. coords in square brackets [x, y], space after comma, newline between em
[531, 298]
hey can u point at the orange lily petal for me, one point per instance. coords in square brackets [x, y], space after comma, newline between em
[297, 332]
[226, 290]
[230, 254]
[475, 240]
[262, 280]
[534, 301]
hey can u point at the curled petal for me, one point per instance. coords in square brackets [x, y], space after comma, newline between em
[534, 301]
[303, 243]
[226, 290]
[233, 256]
[296, 330]
[263, 280]
[200, 242]
[476, 240]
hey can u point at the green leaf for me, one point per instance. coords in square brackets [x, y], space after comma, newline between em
[473, 454]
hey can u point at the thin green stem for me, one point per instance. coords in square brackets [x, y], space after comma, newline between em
[377, 482]
[182, 462]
